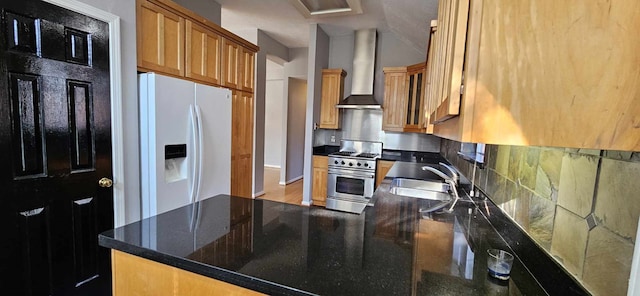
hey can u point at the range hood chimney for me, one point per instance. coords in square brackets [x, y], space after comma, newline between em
[364, 58]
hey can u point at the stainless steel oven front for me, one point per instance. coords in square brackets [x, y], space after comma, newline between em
[353, 185]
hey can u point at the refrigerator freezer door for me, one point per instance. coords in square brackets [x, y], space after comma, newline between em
[215, 112]
[164, 120]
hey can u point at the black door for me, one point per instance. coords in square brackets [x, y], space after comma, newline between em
[55, 144]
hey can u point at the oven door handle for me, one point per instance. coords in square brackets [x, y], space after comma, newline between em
[351, 174]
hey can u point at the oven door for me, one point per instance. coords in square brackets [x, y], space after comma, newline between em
[349, 184]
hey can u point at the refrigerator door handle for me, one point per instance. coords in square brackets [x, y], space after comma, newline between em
[200, 149]
[194, 162]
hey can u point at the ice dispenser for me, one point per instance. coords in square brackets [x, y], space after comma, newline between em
[175, 162]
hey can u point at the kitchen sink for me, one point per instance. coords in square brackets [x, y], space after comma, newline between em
[432, 190]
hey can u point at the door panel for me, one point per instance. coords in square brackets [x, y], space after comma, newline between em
[55, 130]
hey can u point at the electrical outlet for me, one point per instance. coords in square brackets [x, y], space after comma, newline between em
[333, 139]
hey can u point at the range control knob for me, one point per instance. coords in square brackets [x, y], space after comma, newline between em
[351, 164]
[343, 162]
[359, 164]
[335, 162]
[366, 165]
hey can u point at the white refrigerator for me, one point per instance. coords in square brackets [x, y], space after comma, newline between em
[185, 148]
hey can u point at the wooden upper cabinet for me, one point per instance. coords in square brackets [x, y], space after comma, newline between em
[404, 89]
[160, 39]
[332, 92]
[416, 81]
[203, 53]
[395, 99]
[174, 41]
[248, 72]
[541, 83]
[231, 64]
[450, 40]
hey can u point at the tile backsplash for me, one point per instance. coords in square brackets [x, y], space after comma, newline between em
[579, 205]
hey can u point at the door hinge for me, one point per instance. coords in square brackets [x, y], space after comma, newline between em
[462, 89]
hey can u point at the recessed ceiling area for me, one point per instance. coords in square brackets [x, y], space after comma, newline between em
[327, 8]
[409, 20]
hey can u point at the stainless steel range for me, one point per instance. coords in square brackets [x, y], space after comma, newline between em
[352, 173]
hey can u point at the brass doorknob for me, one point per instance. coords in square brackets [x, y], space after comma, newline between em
[105, 183]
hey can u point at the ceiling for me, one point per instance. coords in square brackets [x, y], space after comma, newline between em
[408, 19]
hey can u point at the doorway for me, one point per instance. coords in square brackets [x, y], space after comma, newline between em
[55, 126]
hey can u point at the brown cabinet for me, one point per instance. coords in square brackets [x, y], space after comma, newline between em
[203, 53]
[395, 101]
[332, 92]
[382, 168]
[540, 83]
[160, 39]
[416, 81]
[231, 64]
[404, 90]
[248, 73]
[320, 171]
[242, 144]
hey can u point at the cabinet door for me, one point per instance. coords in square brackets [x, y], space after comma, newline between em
[248, 72]
[415, 99]
[231, 65]
[395, 102]
[203, 53]
[242, 144]
[160, 39]
[332, 92]
[320, 171]
[382, 168]
[450, 50]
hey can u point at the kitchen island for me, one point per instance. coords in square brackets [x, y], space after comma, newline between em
[283, 249]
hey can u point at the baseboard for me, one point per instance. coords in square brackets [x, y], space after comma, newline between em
[258, 194]
[292, 180]
[306, 203]
[272, 166]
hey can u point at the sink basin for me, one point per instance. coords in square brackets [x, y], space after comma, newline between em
[432, 190]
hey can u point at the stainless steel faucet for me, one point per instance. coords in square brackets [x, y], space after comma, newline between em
[451, 180]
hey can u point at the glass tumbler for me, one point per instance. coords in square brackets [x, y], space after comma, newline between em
[499, 263]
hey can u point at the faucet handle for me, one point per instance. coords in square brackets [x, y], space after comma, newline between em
[454, 174]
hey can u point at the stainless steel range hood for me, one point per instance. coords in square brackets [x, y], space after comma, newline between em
[364, 58]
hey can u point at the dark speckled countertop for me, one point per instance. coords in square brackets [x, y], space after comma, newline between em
[284, 249]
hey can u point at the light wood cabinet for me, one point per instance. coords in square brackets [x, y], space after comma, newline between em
[395, 100]
[542, 83]
[332, 92]
[133, 275]
[320, 171]
[416, 81]
[242, 144]
[248, 73]
[174, 41]
[382, 168]
[404, 97]
[160, 39]
[231, 64]
[203, 53]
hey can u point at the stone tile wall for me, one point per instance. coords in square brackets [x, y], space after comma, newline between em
[582, 206]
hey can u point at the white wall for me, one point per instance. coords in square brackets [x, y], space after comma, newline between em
[295, 68]
[210, 9]
[297, 103]
[318, 60]
[126, 10]
[273, 119]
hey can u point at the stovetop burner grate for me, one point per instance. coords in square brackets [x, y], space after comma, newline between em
[368, 155]
[344, 153]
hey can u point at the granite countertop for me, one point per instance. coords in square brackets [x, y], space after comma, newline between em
[390, 154]
[284, 249]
